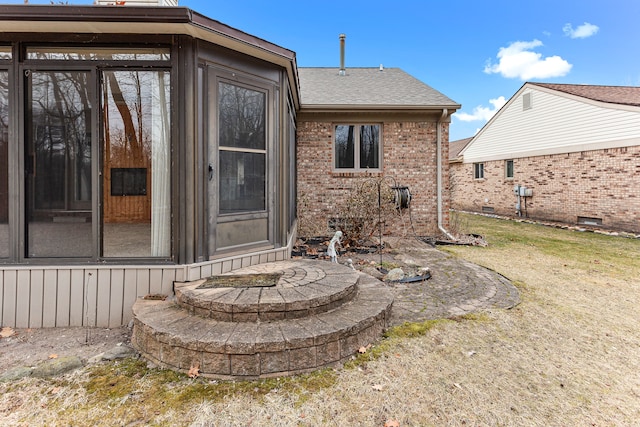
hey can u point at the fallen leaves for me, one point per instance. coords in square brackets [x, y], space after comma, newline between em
[363, 349]
[392, 423]
[53, 356]
[7, 332]
[194, 370]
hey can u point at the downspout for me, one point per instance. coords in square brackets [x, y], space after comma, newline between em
[445, 113]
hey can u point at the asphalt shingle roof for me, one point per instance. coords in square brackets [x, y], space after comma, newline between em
[455, 147]
[624, 95]
[367, 87]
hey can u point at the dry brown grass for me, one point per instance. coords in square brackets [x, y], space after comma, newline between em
[568, 355]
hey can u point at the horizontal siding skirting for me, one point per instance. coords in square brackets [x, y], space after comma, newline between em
[100, 295]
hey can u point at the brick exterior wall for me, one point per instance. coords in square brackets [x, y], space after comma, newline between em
[602, 184]
[409, 159]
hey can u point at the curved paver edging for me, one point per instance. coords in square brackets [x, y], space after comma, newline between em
[456, 287]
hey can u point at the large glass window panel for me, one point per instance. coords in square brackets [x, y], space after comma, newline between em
[357, 147]
[345, 143]
[242, 181]
[58, 164]
[4, 164]
[136, 145]
[242, 117]
[242, 144]
[369, 146]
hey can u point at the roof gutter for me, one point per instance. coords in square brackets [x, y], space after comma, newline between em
[379, 107]
[439, 168]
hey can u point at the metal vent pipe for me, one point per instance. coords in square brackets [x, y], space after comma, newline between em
[342, 69]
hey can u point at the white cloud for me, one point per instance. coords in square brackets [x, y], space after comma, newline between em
[482, 113]
[582, 32]
[519, 61]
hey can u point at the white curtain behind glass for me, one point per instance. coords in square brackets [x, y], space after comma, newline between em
[160, 168]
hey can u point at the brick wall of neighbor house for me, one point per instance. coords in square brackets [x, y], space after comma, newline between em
[409, 157]
[602, 184]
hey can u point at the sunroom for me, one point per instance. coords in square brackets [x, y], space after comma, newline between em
[138, 146]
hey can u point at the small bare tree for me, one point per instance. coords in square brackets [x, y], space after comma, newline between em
[364, 214]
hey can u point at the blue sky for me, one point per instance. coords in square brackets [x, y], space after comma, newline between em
[478, 53]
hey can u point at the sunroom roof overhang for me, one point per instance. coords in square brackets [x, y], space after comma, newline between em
[144, 20]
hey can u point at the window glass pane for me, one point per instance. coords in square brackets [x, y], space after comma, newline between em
[509, 168]
[58, 164]
[98, 54]
[242, 181]
[242, 117]
[136, 188]
[369, 146]
[345, 143]
[4, 164]
[5, 52]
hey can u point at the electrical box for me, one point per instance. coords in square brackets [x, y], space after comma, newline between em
[522, 191]
[526, 192]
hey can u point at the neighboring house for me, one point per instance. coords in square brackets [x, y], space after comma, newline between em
[372, 124]
[455, 147]
[572, 151]
[139, 146]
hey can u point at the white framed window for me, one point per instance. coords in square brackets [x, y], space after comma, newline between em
[478, 170]
[508, 169]
[357, 147]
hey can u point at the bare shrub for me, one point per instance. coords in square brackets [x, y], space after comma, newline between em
[308, 224]
[369, 208]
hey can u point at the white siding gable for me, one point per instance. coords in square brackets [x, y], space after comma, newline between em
[555, 123]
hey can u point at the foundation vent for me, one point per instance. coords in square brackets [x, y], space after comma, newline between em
[585, 220]
[526, 101]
